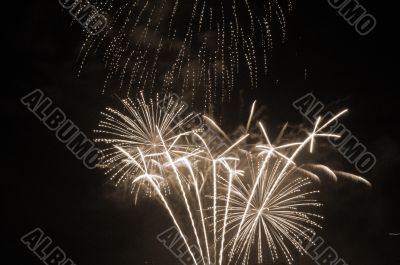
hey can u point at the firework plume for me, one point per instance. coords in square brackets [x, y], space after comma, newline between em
[246, 202]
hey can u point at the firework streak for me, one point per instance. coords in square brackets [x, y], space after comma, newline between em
[247, 203]
[187, 47]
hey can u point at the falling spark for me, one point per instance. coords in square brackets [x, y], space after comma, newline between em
[199, 44]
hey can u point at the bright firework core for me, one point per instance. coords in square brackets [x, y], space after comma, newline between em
[246, 203]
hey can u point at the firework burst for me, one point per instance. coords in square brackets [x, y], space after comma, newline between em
[142, 129]
[187, 46]
[272, 220]
[241, 201]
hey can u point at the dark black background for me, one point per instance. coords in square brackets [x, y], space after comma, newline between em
[47, 187]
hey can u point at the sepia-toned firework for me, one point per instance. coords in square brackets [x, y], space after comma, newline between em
[246, 203]
[196, 48]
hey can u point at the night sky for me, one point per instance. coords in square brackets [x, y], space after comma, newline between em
[98, 224]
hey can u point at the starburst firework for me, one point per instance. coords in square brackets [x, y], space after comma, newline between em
[142, 128]
[272, 219]
[240, 202]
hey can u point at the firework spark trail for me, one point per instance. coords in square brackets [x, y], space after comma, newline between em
[264, 163]
[178, 178]
[232, 173]
[215, 207]
[195, 183]
[249, 192]
[310, 138]
[146, 45]
[220, 159]
[150, 179]
[271, 151]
